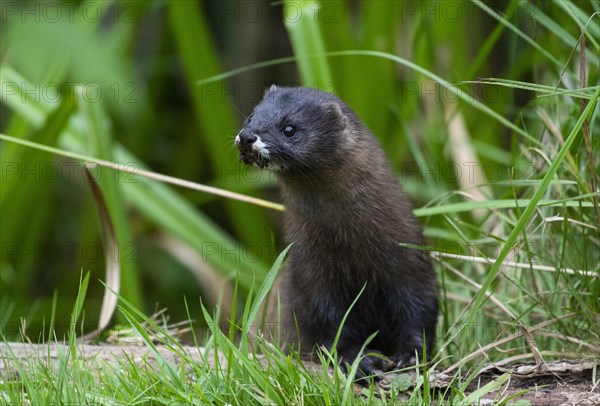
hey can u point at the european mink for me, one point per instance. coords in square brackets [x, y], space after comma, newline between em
[347, 218]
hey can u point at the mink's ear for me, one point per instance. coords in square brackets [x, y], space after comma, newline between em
[269, 90]
[335, 114]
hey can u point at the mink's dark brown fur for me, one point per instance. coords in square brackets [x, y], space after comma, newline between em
[348, 220]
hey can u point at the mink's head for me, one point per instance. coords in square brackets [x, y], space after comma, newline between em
[296, 130]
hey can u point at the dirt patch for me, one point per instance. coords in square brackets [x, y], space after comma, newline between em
[566, 382]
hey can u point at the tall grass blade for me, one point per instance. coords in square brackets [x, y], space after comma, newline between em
[531, 207]
[301, 21]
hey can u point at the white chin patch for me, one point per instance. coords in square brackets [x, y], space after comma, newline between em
[261, 148]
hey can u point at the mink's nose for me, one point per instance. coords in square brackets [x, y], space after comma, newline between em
[247, 137]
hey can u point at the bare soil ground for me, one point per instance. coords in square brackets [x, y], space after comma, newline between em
[566, 382]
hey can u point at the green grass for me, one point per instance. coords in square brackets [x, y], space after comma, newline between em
[260, 375]
[490, 119]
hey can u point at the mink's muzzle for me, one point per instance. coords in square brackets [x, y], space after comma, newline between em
[252, 150]
[251, 157]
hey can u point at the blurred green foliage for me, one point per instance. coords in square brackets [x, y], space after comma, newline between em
[122, 81]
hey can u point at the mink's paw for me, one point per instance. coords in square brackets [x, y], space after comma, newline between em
[404, 360]
[370, 367]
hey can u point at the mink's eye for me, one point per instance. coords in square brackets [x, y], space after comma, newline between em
[249, 118]
[289, 130]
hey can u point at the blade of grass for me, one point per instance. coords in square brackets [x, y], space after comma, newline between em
[135, 170]
[447, 86]
[306, 39]
[241, 359]
[76, 312]
[422, 212]
[112, 259]
[530, 208]
[490, 42]
[264, 289]
[177, 216]
[559, 32]
[500, 204]
[201, 233]
[164, 364]
[519, 33]
[475, 396]
[348, 390]
[375, 27]
[214, 117]
[545, 89]
[99, 143]
[26, 184]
